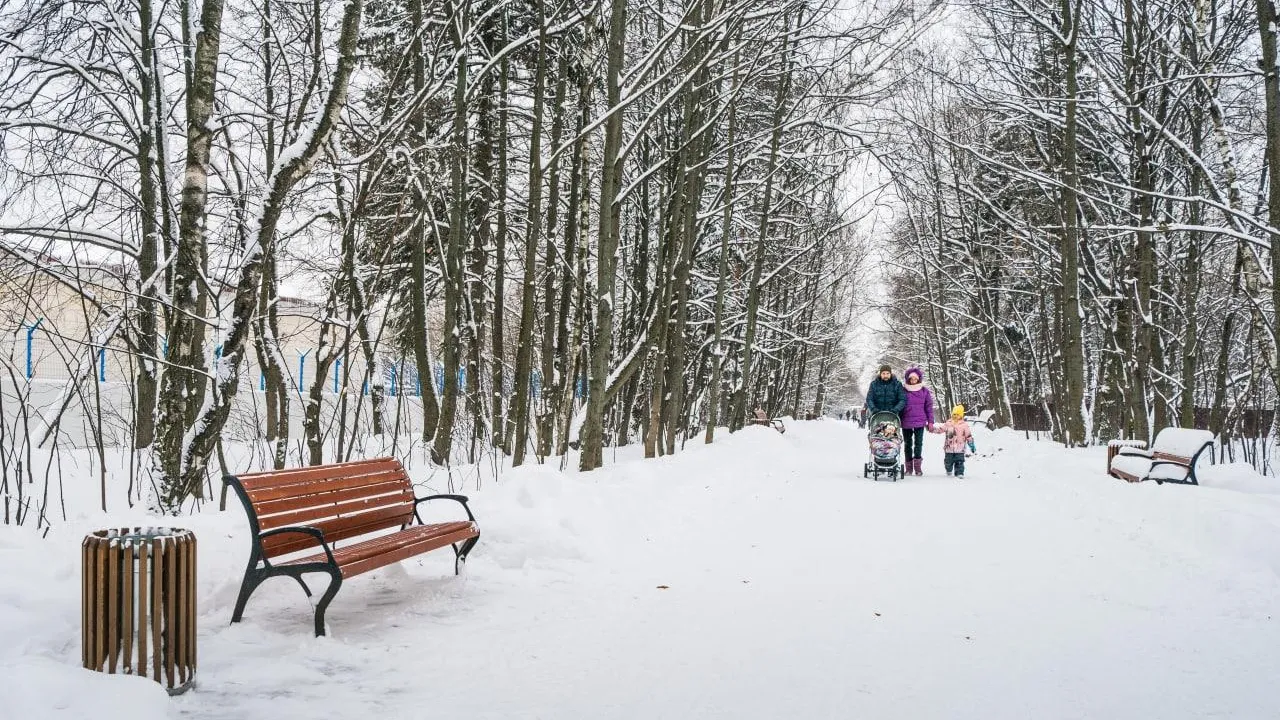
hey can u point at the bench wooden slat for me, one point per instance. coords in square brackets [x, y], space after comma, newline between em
[415, 538]
[319, 512]
[320, 487]
[331, 483]
[386, 461]
[275, 478]
[332, 497]
[407, 551]
[339, 529]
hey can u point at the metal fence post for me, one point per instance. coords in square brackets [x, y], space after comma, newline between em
[31, 329]
[302, 369]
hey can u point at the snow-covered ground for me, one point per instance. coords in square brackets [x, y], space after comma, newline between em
[761, 577]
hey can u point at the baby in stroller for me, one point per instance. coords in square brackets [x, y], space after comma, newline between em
[886, 442]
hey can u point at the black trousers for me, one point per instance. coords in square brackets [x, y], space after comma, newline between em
[913, 442]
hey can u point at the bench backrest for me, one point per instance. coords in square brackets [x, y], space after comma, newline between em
[343, 501]
[1180, 443]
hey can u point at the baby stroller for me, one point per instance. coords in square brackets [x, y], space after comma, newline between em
[885, 441]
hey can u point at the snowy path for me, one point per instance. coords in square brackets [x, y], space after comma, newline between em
[1036, 588]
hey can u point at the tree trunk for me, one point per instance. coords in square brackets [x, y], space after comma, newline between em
[420, 246]
[1142, 180]
[569, 347]
[553, 368]
[183, 456]
[726, 231]
[499, 314]
[1073, 410]
[454, 285]
[592, 455]
[1268, 31]
[739, 411]
[144, 418]
[533, 230]
[177, 481]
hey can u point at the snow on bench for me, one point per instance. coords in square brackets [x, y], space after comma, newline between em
[986, 417]
[1172, 458]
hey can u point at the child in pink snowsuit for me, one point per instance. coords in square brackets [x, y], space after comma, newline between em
[959, 438]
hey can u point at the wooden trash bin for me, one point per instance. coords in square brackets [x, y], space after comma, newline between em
[1114, 446]
[138, 604]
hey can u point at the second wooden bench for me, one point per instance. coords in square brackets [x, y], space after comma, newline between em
[1171, 459]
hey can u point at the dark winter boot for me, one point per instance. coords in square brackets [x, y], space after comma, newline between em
[918, 463]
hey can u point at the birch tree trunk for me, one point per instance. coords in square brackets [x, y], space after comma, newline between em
[176, 480]
[183, 455]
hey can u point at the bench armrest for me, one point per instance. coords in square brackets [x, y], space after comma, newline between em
[314, 532]
[1135, 451]
[461, 499]
[1189, 478]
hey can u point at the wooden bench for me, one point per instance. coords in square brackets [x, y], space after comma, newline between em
[774, 423]
[343, 519]
[986, 417]
[1171, 459]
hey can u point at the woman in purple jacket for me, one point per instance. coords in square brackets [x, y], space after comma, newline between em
[915, 417]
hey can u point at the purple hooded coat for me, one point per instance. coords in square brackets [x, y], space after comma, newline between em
[919, 410]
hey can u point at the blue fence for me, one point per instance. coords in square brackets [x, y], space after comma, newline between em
[400, 376]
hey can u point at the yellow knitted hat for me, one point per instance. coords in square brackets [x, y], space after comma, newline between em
[957, 411]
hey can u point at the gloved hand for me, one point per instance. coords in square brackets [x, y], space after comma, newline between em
[972, 448]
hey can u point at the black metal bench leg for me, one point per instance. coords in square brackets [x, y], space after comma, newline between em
[461, 553]
[305, 589]
[335, 582]
[251, 583]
